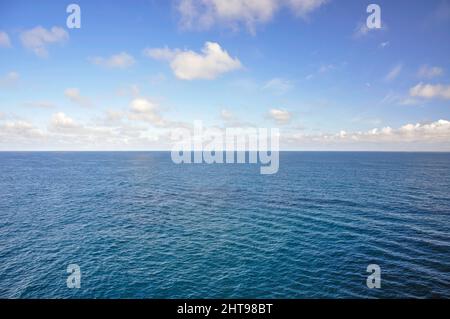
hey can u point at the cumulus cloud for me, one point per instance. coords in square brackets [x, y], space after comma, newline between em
[394, 73]
[61, 121]
[189, 65]
[4, 40]
[65, 133]
[417, 137]
[121, 61]
[429, 72]
[430, 91]
[19, 129]
[38, 38]
[280, 116]
[73, 94]
[234, 13]
[142, 109]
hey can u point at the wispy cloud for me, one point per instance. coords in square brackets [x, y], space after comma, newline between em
[442, 12]
[322, 69]
[398, 99]
[73, 94]
[278, 85]
[9, 80]
[129, 90]
[361, 30]
[164, 54]
[430, 72]
[234, 14]
[430, 91]
[5, 42]
[121, 60]
[40, 104]
[394, 72]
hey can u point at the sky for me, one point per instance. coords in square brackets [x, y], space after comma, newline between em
[135, 70]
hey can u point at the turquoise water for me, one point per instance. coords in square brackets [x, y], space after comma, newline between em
[140, 226]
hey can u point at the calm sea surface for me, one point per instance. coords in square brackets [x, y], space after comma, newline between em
[140, 226]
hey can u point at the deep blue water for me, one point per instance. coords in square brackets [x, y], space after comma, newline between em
[140, 226]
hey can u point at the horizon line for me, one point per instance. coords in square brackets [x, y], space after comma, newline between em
[168, 151]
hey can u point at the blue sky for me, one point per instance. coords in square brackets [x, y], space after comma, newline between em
[136, 69]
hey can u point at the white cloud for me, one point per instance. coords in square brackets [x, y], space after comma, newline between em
[114, 116]
[394, 72]
[304, 7]
[417, 137]
[61, 121]
[280, 116]
[121, 61]
[38, 38]
[189, 65]
[64, 133]
[73, 94]
[384, 44]
[9, 80]
[4, 40]
[142, 109]
[19, 130]
[429, 72]
[234, 13]
[278, 85]
[430, 91]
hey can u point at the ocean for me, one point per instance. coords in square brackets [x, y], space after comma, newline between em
[140, 226]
